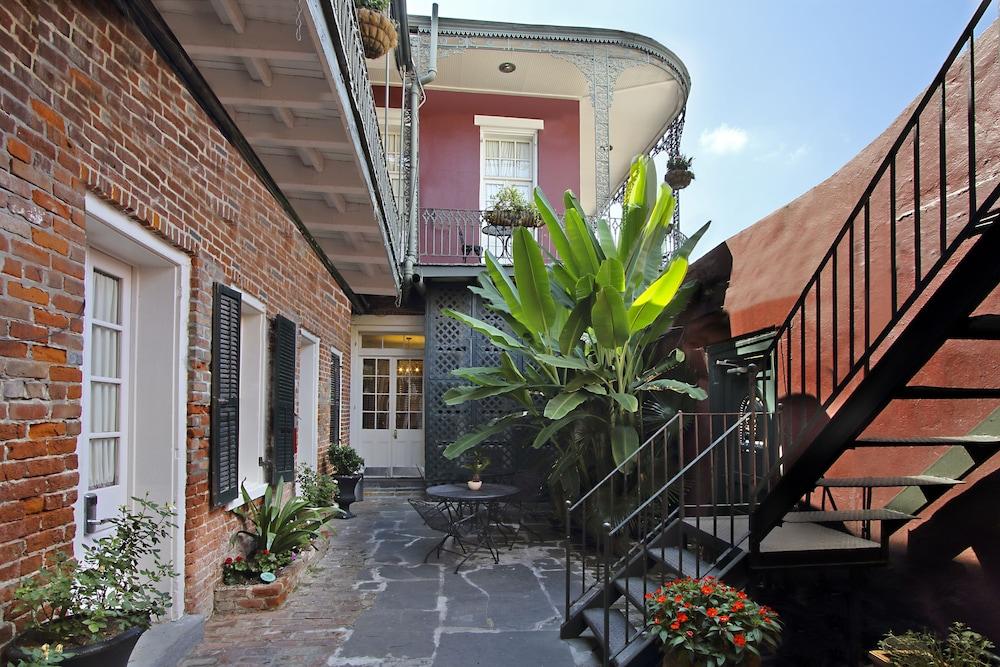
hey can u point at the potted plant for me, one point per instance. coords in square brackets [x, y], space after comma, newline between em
[478, 464]
[705, 623]
[679, 174]
[962, 648]
[511, 209]
[347, 467]
[318, 489]
[91, 613]
[378, 32]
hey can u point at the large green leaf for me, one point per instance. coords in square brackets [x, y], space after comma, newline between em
[624, 442]
[576, 324]
[669, 314]
[668, 384]
[486, 376]
[458, 395]
[606, 239]
[532, 281]
[648, 305]
[627, 401]
[503, 284]
[562, 362]
[608, 318]
[563, 404]
[556, 232]
[470, 440]
[552, 428]
[611, 274]
[580, 243]
[510, 368]
[499, 338]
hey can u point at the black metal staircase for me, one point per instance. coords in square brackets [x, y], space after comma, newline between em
[918, 254]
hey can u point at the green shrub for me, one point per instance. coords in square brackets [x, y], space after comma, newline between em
[113, 588]
[345, 460]
[962, 648]
[318, 489]
[374, 5]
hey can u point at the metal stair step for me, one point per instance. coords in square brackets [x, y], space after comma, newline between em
[634, 589]
[947, 393]
[824, 516]
[619, 629]
[881, 482]
[681, 561]
[934, 441]
[979, 327]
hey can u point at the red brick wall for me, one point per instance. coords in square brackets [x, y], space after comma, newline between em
[86, 105]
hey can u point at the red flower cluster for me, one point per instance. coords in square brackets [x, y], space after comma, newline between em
[709, 619]
[229, 561]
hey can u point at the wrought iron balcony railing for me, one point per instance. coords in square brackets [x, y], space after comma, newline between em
[355, 70]
[450, 237]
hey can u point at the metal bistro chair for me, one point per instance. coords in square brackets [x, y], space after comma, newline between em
[469, 532]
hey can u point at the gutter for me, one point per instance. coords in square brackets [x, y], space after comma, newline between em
[159, 35]
[409, 277]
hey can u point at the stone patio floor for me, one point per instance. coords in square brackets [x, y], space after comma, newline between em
[371, 601]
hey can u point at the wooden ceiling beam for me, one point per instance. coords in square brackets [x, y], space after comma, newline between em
[237, 88]
[259, 39]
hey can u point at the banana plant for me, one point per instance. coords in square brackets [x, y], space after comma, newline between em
[585, 328]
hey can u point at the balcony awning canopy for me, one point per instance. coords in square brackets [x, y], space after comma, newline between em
[272, 64]
[635, 83]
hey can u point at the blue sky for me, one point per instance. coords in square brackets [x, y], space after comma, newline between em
[784, 92]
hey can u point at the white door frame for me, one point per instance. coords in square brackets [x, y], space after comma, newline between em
[376, 324]
[307, 418]
[163, 276]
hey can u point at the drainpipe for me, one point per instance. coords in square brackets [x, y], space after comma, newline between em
[415, 87]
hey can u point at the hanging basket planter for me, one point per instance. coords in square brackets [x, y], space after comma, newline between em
[678, 179]
[378, 33]
[526, 217]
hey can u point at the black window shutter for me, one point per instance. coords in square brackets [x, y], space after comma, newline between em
[283, 400]
[224, 439]
[335, 387]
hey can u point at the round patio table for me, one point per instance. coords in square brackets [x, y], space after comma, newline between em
[504, 234]
[458, 498]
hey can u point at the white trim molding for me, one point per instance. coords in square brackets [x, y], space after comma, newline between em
[509, 123]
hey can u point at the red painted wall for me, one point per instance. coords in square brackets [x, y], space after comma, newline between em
[449, 144]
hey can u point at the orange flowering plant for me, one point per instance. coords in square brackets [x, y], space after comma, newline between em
[713, 623]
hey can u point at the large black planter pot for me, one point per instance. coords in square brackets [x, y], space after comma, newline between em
[112, 652]
[350, 492]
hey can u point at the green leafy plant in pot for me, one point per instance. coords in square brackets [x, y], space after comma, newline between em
[347, 469]
[378, 32]
[97, 608]
[477, 465]
[586, 329]
[679, 174]
[318, 489]
[511, 209]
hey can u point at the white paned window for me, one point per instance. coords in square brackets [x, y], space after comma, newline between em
[393, 141]
[253, 396]
[106, 379]
[508, 160]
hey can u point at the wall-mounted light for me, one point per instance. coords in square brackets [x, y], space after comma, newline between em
[507, 67]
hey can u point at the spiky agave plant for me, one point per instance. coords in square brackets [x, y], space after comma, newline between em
[585, 327]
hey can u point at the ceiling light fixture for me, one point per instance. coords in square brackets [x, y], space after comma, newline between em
[507, 67]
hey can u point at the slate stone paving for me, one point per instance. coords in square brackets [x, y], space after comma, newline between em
[371, 601]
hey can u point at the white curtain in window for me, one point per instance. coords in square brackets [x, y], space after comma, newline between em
[507, 161]
[105, 380]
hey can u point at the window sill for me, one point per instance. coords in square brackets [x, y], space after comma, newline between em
[255, 489]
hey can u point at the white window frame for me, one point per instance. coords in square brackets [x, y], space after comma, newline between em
[307, 409]
[393, 125]
[253, 398]
[491, 127]
[337, 421]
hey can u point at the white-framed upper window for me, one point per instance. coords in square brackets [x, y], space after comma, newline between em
[508, 156]
[392, 139]
[253, 397]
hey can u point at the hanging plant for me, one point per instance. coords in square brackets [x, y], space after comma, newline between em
[378, 32]
[679, 174]
[511, 209]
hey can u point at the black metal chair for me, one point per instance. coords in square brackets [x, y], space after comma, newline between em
[469, 532]
[467, 248]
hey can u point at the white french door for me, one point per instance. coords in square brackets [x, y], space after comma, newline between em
[103, 449]
[392, 414]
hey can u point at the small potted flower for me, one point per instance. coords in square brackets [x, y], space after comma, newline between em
[347, 467]
[705, 623]
[378, 32]
[511, 209]
[478, 464]
[679, 174]
[91, 613]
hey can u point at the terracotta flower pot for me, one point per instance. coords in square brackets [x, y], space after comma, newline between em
[111, 652]
[678, 179]
[686, 660]
[378, 33]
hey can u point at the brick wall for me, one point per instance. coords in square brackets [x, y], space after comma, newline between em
[86, 105]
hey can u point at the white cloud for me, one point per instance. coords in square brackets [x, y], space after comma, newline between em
[724, 140]
[784, 154]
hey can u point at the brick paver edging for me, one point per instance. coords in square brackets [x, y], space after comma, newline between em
[248, 598]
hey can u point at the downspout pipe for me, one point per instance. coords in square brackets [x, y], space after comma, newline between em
[416, 84]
